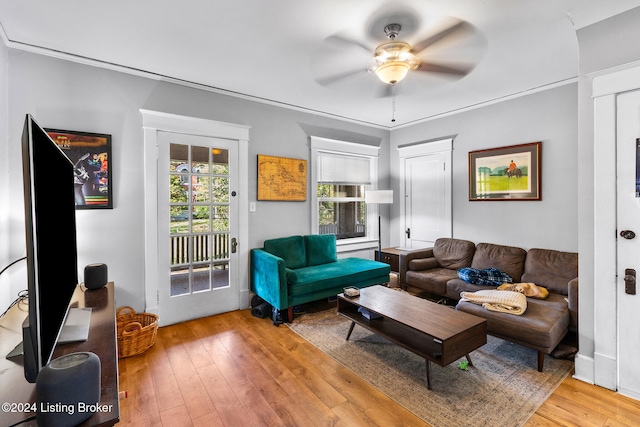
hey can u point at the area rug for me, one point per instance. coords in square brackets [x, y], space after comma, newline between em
[503, 388]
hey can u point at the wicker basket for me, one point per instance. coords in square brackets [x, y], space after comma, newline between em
[136, 331]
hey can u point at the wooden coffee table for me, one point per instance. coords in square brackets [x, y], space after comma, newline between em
[436, 332]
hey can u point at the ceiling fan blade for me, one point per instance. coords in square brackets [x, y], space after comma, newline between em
[427, 67]
[460, 27]
[334, 78]
[335, 39]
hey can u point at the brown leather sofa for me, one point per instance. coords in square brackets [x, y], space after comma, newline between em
[544, 323]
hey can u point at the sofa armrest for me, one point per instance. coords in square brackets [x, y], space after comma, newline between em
[406, 257]
[268, 278]
[421, 264]
[572, 299]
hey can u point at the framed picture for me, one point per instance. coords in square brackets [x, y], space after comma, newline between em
[90, 154]
[281, 178]
[506, 173]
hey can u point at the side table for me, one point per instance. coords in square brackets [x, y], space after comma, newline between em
[391, 256]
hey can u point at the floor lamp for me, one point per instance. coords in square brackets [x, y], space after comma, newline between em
[379, 197]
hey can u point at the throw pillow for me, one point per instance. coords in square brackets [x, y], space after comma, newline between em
[320, 248]
[290, 249]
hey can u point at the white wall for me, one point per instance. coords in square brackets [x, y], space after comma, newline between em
[5, 288]
[67, 95]
[549, 116]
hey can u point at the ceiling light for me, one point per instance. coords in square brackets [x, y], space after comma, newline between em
[391, 72]
[394, 59]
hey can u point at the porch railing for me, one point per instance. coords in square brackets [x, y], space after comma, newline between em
[333, 228]
[206, 248]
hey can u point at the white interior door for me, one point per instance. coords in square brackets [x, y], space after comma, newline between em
[628, 247]
[197, 226]
[427, 183]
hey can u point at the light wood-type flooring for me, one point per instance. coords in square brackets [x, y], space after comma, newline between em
[237, 370]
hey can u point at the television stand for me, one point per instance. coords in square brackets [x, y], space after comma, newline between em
[14, 388]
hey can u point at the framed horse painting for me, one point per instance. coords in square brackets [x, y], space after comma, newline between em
[506, 173]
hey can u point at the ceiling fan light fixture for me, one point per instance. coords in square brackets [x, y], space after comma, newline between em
[391, 72]
[393, 60]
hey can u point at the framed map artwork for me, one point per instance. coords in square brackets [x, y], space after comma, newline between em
[281, 178]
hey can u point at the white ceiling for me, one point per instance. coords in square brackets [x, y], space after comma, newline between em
[276, 50]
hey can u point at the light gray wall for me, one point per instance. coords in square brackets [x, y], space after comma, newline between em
[5, 287]
[603, 45]
[549, 116]
[67, 95]
[274, 131]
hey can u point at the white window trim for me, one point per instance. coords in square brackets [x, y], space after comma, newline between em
[319, 144]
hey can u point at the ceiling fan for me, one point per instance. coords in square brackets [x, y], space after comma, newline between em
[392, 61]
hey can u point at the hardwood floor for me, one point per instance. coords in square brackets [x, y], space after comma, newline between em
[234, 369]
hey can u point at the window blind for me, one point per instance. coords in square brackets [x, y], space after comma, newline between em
[340, 169]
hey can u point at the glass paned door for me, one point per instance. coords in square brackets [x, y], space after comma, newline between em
[196, 224]
[199, 218]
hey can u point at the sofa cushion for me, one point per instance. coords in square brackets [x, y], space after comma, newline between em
[507, 259]
[433, 280]
[456, 286]
[320, 249]
[551, 269]
[290, 249]
[541, 327]
[343, 272]
[453, 253]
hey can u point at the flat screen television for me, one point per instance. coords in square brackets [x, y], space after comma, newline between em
[50, 224]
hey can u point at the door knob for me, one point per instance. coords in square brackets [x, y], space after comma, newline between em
[630, 281]
[627, 234]
[234, 245]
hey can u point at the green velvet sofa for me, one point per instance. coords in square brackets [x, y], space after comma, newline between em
[295, 270]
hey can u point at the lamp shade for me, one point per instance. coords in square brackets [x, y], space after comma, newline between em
[382, 197]
[392, 72]
[393, 60]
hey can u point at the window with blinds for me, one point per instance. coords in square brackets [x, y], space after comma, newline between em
[342, 180]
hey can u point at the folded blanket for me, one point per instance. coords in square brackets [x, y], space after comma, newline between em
[528, 289]
[485, 277]
[495, 300]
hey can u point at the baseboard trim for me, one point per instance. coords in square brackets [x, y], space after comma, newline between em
[584, 367]
[634, 394]
[605, 372]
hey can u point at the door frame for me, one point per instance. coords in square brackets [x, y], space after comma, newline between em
[419, 150]
[602, 368]
[152, 123]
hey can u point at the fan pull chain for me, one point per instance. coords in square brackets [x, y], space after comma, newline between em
[393, 103]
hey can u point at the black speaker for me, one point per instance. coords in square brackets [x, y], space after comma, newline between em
[95, 276]
[68, 390]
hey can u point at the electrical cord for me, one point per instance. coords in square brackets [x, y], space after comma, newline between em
[14, 262]
[23, 295]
